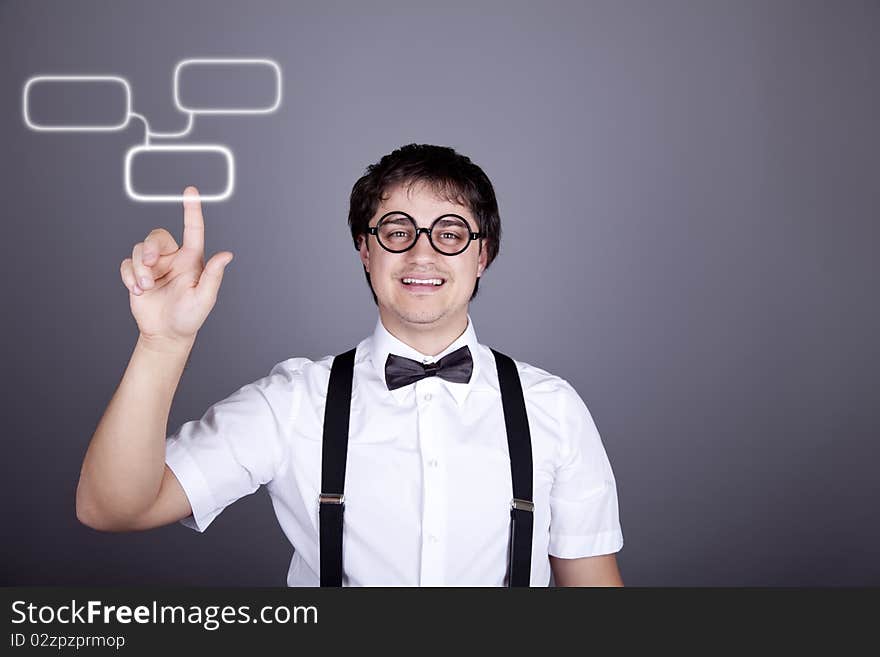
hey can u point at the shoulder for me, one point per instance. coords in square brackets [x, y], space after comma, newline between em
[289, 370]
[554, 395]
[538, 382]
[312, 372]
[557, 396]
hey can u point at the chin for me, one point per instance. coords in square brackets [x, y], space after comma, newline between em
[415, 311]
[419, 315]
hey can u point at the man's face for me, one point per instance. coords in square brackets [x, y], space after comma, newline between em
[422, 307]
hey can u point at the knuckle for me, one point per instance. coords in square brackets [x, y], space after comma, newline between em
[157, 236]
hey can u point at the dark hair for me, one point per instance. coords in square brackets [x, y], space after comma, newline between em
[450, 175]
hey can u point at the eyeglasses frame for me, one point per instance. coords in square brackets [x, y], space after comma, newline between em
[374, 230]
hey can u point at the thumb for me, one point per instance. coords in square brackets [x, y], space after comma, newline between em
[212, 275]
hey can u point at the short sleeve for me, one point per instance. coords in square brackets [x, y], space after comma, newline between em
[584, 518]
[238, 445]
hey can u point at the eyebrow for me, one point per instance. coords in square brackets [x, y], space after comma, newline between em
[397, 220]
[404, 220]
[449, 221]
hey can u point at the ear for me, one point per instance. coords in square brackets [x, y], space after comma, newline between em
[483, 259]
[364, 252]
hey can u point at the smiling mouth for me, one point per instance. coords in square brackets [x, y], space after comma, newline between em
[424, 283]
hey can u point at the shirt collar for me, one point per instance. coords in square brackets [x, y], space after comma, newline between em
[383, 343]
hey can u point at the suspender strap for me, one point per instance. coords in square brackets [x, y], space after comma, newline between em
[334, 451]
[519, 445]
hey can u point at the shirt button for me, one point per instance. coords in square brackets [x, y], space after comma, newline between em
[433, 463]
[427, 396]
[432, 538]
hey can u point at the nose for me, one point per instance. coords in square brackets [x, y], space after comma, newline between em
[423, 249]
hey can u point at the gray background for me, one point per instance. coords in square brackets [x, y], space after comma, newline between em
[688, 193]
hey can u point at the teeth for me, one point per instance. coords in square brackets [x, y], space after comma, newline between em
[424, 281]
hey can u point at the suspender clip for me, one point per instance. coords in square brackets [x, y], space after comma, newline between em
[522, 505]
[331, 498]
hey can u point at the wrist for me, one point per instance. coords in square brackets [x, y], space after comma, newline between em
[180, 346]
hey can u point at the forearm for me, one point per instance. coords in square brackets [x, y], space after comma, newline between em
[123, 467]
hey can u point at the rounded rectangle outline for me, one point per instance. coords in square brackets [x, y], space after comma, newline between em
[75, 78]
[212, 148]
[226, 61]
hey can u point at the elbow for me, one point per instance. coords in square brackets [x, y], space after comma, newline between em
[84, 518]
[98, 522]
[87, 515]
[83, 511]
[90, 515]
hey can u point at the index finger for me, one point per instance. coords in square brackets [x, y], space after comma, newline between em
[193, 222]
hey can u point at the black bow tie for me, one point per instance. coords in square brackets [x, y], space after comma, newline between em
[456, 367]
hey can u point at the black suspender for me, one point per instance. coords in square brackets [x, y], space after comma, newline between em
[335, 451]
[519, 445]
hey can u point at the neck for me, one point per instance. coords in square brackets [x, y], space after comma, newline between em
[428, 339]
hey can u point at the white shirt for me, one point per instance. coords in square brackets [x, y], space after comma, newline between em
[428, 483]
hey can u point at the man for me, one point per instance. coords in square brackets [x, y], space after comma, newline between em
[431, 444]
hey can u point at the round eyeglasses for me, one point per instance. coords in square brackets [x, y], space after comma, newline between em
[449, 234]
